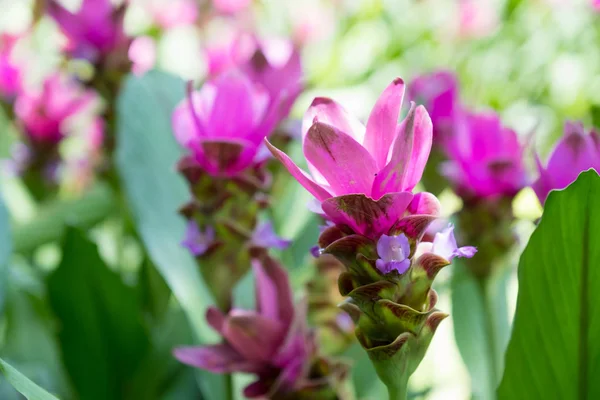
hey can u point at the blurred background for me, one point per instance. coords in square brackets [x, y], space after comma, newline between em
[536, 62]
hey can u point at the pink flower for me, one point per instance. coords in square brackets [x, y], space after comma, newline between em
[227, 124]
[271, 342]
[171, 13]
[485, 158]
[364, 176]
[92, 31]
[231, 6]
[477, 18]
[574, 153]
[273, 63]
[596, 4]
[439, 93]
[10, 73]
[142, 53]
[43, 113]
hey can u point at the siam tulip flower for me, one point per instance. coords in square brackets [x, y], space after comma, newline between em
[272, 342]
[10, 73]
[364, 176]
[485, 158]
[94, 30]
[44, 114]
[222, 142]
[574, 153]
[439, 93]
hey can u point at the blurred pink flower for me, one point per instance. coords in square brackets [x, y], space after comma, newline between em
[574, 153]
[231, 6]
[10, 72]
[596, 4]
[227, 124]
[43, 113]
[172, 13]
[272, 342]
[92, 31]
[364, 176]
[477, 18]
[485, 158]
[439, 93]
[142, 53]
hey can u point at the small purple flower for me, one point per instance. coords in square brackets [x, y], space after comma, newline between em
[444, 245]
[264, 236]
[315, 251]
[196, 241]
[393, 252]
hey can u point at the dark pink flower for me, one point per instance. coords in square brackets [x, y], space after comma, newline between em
[44, 113]
[94, 30]
[10, 73]
[439, 93]
[271, 342]
[575, 152]
[364, 176]
[227, 123]
[485, 158]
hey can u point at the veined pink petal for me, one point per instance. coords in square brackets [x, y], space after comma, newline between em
[218, 358]
[302, 177]
[344, 163]
[409, 154]
[215, 318]
[224, 157]
[329, 112]
[255, 337]
[381, 126]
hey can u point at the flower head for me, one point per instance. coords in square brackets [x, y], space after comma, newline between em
[45, 113]
[364, 176]
[576, 151]
[271, 342]
[224, 124]
[485, 158]
[95, 29]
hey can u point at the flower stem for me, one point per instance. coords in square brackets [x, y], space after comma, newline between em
[490, 329]
[399, 390]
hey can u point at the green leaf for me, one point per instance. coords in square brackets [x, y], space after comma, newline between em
[481, 326]
[146, 156]
[554, 351]
[101, 333]
[27, 388]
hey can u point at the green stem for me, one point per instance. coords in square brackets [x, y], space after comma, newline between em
[229, 387]
[490, 328]
[398, 391]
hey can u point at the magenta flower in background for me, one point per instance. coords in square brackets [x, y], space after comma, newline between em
[44, 113]
[439, 93]
[364, 176]
[94, 30]
[271, 342]
[596, 4]
[227, 123]
[485, 158]
[575, 152]
[10, 73]
[169, 14]
[231, 6]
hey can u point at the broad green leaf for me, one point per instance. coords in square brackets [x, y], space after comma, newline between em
[146, 158]
[481, 326]
[554, 351]
[102, 336]
[27, 388]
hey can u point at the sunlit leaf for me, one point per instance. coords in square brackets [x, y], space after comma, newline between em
[27, 388]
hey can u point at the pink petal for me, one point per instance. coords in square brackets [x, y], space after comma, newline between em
[302, 177]
[381, 126]
[255, 337]
[273, 292]
[218, 358]
[366, 216]
[225, 157]
[344, 163]
[215, 318]
[425, 203]
[409, 154]
[329, 112]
